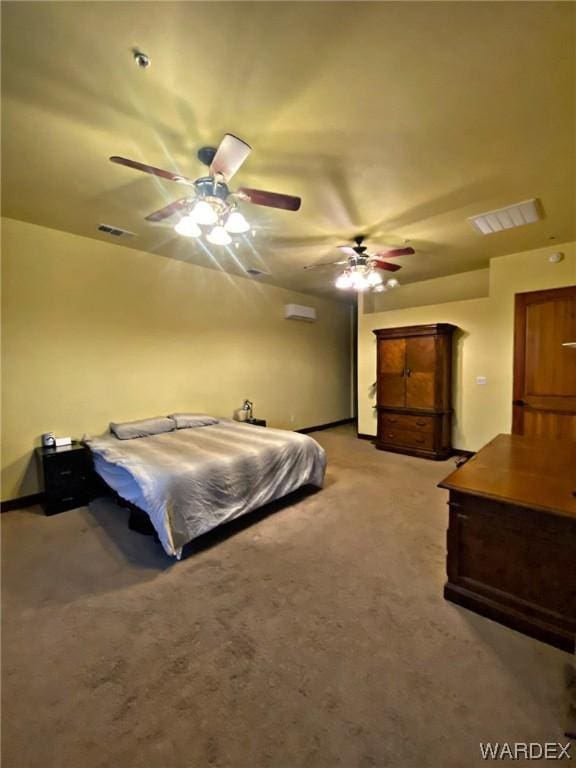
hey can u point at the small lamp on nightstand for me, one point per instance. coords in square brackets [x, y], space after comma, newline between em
[246, 415]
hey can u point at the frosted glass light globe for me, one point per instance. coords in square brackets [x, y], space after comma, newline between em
[236, 223]
[203, 213]
[374, 278]
[219, 236]
[188, 227]
[344, 281]
[359, 282]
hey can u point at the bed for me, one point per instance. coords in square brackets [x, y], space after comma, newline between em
[189, 481]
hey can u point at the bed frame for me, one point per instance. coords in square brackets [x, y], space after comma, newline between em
[140, 522]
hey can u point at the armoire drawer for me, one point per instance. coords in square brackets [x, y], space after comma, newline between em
[394, 421]
[407, 438]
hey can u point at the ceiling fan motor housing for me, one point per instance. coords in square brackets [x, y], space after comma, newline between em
[208, 187]
[206, 155]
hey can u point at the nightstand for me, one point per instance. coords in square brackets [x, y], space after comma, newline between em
[66, 475]
[256, 422]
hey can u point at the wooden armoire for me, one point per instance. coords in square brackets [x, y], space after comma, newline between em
[414, 390]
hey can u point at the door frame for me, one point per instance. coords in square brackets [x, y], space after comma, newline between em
[521, 301]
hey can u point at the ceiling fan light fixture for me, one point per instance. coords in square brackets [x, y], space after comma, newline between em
[344, 281]
[392, 283]
[203, 213]
[379, 288]
[374, 278]
[188, 227]
[219, 236]
[359, 281]
[236, 224]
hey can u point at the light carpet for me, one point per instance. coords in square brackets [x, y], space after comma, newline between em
[315, 636]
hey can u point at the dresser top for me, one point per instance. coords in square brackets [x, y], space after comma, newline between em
[433, 329]
[532, 472]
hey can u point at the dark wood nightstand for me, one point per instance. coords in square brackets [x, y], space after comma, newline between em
[66, 475]
[256, 422]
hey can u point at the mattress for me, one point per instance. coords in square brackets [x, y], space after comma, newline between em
[191, 480]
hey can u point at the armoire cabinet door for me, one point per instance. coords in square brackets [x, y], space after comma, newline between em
[420, 371]
[391, 366]
[414, 376]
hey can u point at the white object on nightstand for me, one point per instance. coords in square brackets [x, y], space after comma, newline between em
[60, 441]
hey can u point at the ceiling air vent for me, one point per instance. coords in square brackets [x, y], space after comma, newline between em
[115, 231]
[255, 272]
[507, 218]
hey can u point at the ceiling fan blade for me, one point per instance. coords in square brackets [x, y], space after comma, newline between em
[326, 264]
[229, 156]
[348, 250]
[151, 169]
[384, 265]
[395, 252]
[271, 199]
[169, 210]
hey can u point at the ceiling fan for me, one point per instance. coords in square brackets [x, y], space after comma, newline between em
[211, 203]
[361, 267]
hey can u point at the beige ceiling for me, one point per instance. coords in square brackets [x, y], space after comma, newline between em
[400, 119]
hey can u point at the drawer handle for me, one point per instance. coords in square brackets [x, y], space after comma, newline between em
[390, 434]
[460, 516]
[421, 423]
[65, 472]
[391, 420]
[420, 440]
[68, 498]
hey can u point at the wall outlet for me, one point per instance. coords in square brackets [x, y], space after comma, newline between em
[481, 380]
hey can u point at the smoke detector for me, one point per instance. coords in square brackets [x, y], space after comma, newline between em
[516, 215]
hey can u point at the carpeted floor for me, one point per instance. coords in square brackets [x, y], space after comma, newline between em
[314, 637]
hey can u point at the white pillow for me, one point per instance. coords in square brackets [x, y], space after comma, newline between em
[186, 420]
[127, 430]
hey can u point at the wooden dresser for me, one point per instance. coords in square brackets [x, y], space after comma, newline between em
[512, 536]
[414, 393]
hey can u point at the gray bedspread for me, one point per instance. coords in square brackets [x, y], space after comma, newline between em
[195, 479]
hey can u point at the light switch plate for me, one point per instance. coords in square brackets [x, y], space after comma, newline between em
[481, 380]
